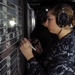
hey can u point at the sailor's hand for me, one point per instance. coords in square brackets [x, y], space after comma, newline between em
[39, 49]
[26, 48]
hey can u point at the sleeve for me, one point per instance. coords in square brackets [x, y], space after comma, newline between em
[34, 68]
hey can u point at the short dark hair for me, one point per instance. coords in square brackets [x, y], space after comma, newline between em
[42, 16]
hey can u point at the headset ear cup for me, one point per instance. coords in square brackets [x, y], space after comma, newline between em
[62, 19]
[73, 21]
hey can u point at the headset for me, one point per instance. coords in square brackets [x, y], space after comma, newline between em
[63, 18]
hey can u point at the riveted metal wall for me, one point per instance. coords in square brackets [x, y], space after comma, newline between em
[11, 32]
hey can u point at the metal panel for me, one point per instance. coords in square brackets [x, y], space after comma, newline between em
[30, 20]
[10, 35]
